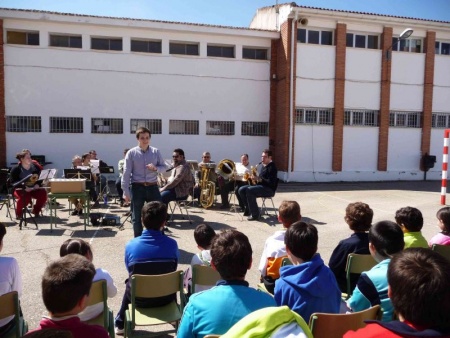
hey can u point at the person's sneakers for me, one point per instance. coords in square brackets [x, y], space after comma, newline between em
[118, 331]
[251, 218]
[75, 212]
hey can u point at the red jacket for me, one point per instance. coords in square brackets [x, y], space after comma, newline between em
[394, 329]
[74, 325]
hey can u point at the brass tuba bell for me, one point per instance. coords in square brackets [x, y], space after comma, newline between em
[226, 168]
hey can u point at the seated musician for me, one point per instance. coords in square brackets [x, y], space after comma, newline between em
[242, 176]
[180, 180]
[265, 186]
[86, 158]
[36, 163]
[101, 164]
[78, 204]
[30, 189]
[206, 158]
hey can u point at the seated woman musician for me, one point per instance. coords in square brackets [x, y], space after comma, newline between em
[78, 209]
[30, 189]
[86, 162]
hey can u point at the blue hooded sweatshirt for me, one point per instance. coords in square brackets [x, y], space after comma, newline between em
[307, 288]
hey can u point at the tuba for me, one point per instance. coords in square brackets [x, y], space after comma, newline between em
[207, 187]
[226, 168]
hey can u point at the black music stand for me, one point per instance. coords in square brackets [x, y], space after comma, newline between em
[78, 173]
[105, 170]
[21, 185]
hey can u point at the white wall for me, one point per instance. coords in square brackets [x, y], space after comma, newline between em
[441, 89]
[46, 81]
[360, 149]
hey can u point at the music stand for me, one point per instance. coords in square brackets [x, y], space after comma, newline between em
[78, 173]
[21, 185]
[105, 170]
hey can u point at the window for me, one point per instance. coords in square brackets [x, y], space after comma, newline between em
[315, 36]
[407, 45]
[362, 41]
[24, 124]
[183, 127]
[100, 125]
[146, 46]
[255, 128]
[404, 119]
[219, 127]
[23, 38]
[254, 53]
[440, 120]
[106, 43]
[314, 116]
[183, 48]
[442, 48]
[71, 41]
[220, 51]
[361, 118]
[66, 124]
[154, 125]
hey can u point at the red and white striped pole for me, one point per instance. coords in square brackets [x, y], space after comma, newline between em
[445, 166]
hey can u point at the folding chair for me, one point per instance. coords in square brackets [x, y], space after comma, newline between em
[444, 250]
[356, 264]
[204, 275]
[332, 325]
[144, 286]
[10, 307]
[181, 204]
[264, 210]
[99, 294]
[5, 202]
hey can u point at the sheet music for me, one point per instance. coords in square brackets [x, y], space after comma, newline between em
[95, 166]
[47, 174]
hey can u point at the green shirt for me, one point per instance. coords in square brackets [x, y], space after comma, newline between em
[415, 240]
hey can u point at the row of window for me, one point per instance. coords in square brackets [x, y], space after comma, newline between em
[370, 118]
[137, 45]
[369, 41]
[115, 126]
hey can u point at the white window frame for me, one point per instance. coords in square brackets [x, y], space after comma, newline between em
[402, 119]
[367, 116]
[320, 36]
[319, 116]
[366, 40]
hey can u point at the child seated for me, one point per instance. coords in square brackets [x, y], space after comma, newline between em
[203, 235]
[443, 237]
[419, 290]
[81, 247]
[385, 240]
[10, 280]
[274, 249]
[358, 216]
[411, 221]
[65, 291]
[308, 286]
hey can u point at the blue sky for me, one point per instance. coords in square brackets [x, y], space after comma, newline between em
[227, 12]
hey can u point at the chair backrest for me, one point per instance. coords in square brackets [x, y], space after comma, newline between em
[443, 250]
[10, 307]
[99, 294]
[153, 267]
[286, 261]
[328, 325]
[356, 264]
[204, 275]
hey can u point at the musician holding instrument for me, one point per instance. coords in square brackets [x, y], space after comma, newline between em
[265, 186]
[30, 189]
[206, 159]
[180, 181]
[242, 176]
[86, 162]
[142, 165]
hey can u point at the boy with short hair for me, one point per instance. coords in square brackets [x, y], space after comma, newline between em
[308, 285]
[274, 249]
[385, 240]
[203, 235]
[359, 217]
[419, 290]
[65, 290]
[411, 221]
[215, 310]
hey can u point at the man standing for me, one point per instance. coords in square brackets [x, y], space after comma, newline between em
[142, 164]
[151, 247]
[180, 181]
[265, 187]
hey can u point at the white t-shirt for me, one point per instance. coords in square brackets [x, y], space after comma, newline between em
[93, 311]
[10, 280]
[202, 258]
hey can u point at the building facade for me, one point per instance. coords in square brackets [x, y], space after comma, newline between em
[334, 94]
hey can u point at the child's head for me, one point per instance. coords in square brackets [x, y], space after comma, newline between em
[203, 235]
[76, 246]
[386, 238]
[410, 219]
[289, 213]
[154, 215]
[66, 284]
[358, 216]
[419, 288]
[301, 240]
[231, 254]
[443, 215]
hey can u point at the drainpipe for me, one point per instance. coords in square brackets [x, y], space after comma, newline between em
[291, 99]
